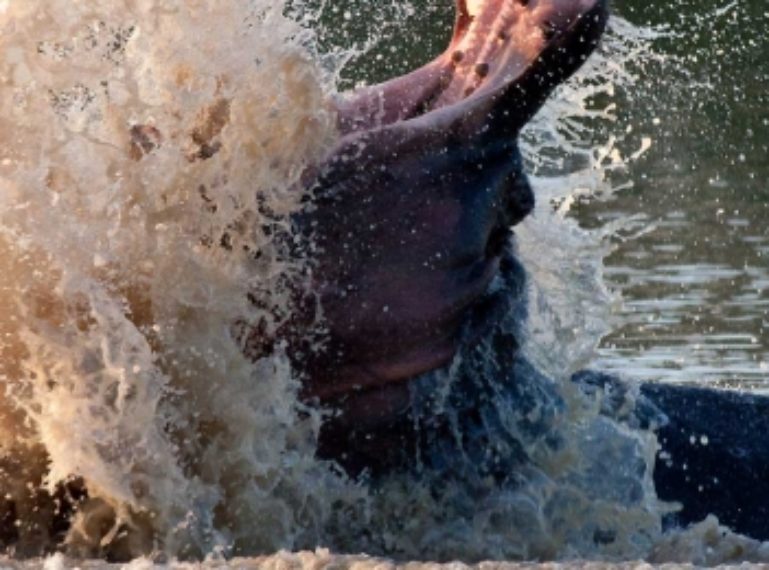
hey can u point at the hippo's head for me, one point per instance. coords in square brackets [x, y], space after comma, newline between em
[410, 213]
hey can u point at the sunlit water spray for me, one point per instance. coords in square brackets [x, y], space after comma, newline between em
[152, 153]
[576, 152]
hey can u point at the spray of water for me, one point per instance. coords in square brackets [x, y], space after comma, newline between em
[153, 151]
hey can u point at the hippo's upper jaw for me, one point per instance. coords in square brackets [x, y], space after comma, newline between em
[411, 211]
[505, 56]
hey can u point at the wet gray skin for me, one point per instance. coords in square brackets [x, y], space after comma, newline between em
[410, 214]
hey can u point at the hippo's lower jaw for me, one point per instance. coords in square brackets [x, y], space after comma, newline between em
[414, 206]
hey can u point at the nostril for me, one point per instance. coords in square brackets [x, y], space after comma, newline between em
[457, 56]
[523, 2]
[482, 69]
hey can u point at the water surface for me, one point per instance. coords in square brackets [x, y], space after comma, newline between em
[694, 279]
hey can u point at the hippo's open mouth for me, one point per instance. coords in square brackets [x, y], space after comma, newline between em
[413, 209]
[518, 50]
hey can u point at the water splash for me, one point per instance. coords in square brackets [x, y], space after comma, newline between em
[577, 153]
[151, 161]
[154, 150]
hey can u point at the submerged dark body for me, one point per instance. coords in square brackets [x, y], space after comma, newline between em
[415, 266]
[727, 476]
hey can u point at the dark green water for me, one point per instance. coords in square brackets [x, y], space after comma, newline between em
[696, 284]
[693, 272]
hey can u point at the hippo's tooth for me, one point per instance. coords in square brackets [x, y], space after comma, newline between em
[474, 7]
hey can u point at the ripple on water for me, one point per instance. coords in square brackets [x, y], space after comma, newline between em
[690, 322]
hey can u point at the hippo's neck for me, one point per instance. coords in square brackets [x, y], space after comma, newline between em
[402, 425]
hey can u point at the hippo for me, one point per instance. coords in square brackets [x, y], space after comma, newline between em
[412, 211]
[414, 271]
